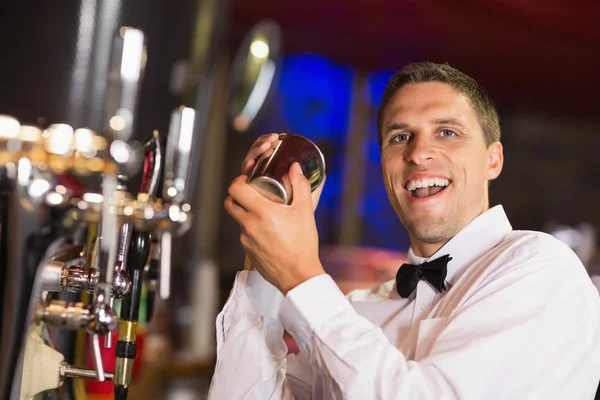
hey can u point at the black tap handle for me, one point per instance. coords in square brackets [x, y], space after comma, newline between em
[139, 251]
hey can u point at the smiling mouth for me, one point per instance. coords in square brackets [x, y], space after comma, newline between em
[427, 187]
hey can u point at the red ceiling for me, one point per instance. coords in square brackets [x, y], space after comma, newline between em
[544, 56]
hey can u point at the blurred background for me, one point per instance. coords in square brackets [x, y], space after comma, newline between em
[539, 61]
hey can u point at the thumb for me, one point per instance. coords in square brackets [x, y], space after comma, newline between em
[300, 185]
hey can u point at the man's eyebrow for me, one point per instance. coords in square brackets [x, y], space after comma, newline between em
[448, 121]
[395, 127]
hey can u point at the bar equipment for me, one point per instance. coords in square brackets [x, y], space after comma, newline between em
[110, 264]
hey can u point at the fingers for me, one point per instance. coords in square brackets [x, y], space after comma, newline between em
[234, 209]
[300, 185]
[244, 194]
[260, 146]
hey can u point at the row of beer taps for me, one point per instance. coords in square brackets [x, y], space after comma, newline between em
[129, 232]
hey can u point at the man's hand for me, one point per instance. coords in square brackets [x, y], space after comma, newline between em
[281, 241]
[263, 147]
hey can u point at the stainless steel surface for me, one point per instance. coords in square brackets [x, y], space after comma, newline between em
[270, 176]
[122, 281]
[96, 24]
[109, 232]
[124, 238]
[70, 371]
[70, 315]
[165, 265]
[121, 284]
[104, 318]
[53, 276]
[97, 358]
[77, 279]
[108, 338]
[66, 315]
[178, 155]
[127, 66]
[92, 280]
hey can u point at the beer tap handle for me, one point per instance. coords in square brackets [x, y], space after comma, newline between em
[139, 251]
[127, 65]
[178, 156]
[175, 185]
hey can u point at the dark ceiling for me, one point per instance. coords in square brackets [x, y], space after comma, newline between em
[540, 56]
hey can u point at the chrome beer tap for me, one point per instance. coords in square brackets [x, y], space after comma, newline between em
[176, 188]
[138, 255]
[111, 264]
[126, 70]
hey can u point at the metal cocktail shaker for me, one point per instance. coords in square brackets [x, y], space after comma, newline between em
[270, 176]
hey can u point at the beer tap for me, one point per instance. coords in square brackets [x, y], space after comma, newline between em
[175, 189]
[126, 69]
[111, 264]
[138, 255]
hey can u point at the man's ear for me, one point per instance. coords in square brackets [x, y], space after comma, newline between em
[495, 161]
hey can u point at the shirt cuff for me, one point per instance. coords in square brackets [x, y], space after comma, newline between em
[310, 305]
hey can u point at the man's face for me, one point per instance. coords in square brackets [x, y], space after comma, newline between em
[436, 165]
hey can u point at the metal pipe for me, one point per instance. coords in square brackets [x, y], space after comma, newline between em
[70, 371]
[53, 276]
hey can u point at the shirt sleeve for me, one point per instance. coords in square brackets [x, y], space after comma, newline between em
[521, 319]
[251, 353]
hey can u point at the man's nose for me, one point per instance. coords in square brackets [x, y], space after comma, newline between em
[420, 150]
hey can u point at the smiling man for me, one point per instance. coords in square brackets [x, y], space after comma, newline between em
[437, 156]
[480, 311]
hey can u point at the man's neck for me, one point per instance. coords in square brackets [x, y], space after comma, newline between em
[425, 250]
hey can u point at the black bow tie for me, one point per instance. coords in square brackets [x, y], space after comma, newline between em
[409, 275]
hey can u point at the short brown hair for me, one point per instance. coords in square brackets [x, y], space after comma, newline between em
[431, 72]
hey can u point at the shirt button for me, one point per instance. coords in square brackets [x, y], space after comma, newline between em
[240, 293]
[421, 307]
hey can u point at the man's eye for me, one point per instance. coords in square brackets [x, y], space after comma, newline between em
[403, 137]
[447, 133]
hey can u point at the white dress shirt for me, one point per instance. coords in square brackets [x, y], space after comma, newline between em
[520, 320]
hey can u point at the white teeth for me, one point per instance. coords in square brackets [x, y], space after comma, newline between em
[423, 183]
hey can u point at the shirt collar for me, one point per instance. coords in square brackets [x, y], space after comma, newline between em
[482, 234]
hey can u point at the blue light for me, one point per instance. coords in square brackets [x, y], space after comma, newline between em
[381, 227]
[314, 99]
[315, 96]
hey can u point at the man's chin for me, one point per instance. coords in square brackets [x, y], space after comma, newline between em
[430, 229]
